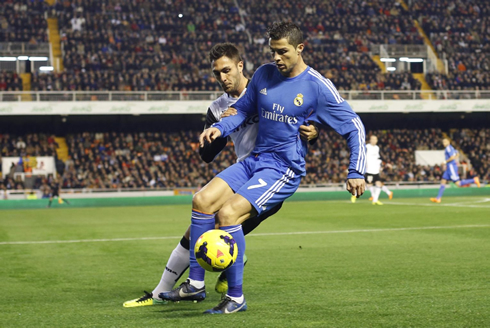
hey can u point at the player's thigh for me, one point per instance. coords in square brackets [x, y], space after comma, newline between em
[451, 174]
[236, 210]
[269, 187]
[212, 196]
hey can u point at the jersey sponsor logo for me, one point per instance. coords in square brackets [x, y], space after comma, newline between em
[277, 115]
[262, 183]
[264, 91]
[298, 101]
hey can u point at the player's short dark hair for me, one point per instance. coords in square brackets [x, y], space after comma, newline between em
[225, 49]
[287, 30]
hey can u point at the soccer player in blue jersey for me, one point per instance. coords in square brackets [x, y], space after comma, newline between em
[284, 94]
[451, 173]
[227, 66]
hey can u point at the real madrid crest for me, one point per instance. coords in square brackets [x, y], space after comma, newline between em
[298, 101]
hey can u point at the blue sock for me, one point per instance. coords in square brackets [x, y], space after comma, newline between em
[441, 191]
[235, 272]
[200, 223]
[466, 182]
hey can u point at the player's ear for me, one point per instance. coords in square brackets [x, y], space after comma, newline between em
[240, 66]
[299, 48]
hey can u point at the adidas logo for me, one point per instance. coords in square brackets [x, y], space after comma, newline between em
[264, 91]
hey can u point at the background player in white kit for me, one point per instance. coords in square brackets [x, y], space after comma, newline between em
[227, 67]
[373, 166]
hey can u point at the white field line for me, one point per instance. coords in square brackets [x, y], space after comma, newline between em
[438, 205]
[251, 235]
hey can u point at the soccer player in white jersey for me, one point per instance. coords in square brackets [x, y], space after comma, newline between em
[285, 94]
[227, 67]
[451, 173]
[373, 166]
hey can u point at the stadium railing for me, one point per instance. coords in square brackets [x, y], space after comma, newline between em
[41, 96]
[24, 48]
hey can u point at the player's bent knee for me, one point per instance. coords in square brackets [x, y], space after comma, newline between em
[203, 201]
[227, 216]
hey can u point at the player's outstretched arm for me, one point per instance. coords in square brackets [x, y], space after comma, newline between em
[209, 135]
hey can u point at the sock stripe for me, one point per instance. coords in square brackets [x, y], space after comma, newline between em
[232, 229]
[201, 216]
[204, 213]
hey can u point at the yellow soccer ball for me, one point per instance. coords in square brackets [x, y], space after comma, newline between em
[216, 250]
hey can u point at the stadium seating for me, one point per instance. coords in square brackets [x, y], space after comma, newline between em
[170, 160]
[460, 34]
[160, 46]
[23, 21]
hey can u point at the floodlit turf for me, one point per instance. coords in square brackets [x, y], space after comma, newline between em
[409, 263]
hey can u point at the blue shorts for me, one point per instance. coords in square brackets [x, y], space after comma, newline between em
[263, 180]
[451, 173]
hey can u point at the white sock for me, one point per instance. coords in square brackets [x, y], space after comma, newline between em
[239, 300]
[371, 190]
[376, 193]
[196, 283]
[176, 265]
[386, 190]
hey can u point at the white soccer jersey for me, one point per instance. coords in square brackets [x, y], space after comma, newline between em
[244, 136]
[373, 161]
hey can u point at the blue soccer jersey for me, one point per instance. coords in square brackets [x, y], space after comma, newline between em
[452, 166]
[283, 104]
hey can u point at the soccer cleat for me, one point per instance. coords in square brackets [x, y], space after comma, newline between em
[185, 292]
[353, 199]
[477, 181]
[435, 200]
[371, 198]
[145, 300]
[227, 306]
[390, 196]
[221, 286]
[377, 203]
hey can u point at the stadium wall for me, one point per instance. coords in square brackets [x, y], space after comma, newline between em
[196, 107]
[187, 199]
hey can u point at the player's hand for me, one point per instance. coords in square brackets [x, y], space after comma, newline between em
[356, 187]
[209, 135]
[308, 132]
[229, 112]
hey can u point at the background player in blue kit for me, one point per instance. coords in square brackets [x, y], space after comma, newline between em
[284, 94]
[451, 173]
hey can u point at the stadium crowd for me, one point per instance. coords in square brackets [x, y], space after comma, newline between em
[23, 21]
[24, 147]
[10, 81]
[460, 33]
[171, 160]
[156, 45]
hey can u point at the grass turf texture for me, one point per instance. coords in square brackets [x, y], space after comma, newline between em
[357, 267]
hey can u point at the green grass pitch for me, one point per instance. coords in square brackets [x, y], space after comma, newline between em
[409, 263]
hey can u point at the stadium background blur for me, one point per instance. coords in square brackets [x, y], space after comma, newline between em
[100, 52]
